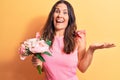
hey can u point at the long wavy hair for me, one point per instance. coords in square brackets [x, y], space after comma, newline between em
[69, 34]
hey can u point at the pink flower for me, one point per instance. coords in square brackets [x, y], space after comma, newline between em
[37, 35]
[40, 47]
[35, 45]
[22, 57]
[22, 49]
[31, 42]
[32, 46]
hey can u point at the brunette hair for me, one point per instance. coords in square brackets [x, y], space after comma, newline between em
[69, 35]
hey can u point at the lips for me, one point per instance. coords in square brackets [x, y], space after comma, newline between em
[60, 20]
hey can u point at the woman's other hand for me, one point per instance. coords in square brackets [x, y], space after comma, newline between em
[36, 61]
[101, 46]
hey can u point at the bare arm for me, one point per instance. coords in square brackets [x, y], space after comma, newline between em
[85, 56]
[85, 61]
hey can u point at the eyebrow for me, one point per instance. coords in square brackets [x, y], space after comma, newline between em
[63, 9]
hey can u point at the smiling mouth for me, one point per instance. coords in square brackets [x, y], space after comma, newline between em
[60, 20]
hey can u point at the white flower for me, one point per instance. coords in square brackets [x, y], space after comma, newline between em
[39, 47]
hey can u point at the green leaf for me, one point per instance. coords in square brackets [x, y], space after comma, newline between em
[47, 53]
[40, 57]
[39, 69]
[48, 42]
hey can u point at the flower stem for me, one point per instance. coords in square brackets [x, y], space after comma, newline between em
[39, 69]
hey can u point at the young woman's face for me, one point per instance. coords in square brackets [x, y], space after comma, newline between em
[61, 17]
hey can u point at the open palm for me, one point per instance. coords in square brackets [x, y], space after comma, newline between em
[101, 45]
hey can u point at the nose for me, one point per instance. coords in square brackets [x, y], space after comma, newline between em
[60, 14]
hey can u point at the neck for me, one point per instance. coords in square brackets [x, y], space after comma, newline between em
[59, 33]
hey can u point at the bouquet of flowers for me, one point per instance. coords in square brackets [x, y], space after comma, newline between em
[35, 46]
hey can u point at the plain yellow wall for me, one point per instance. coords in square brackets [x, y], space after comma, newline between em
[21, 19]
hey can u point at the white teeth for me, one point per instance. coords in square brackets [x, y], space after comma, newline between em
[60, 20]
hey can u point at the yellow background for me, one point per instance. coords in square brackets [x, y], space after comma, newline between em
[21, 19]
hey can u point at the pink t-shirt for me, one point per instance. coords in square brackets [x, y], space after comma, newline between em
[60, 66]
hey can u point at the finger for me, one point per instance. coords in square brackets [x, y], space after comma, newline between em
[34, 64]
[37, 63]
[34, 59]
[109, 45]
[113, 45]
[99, 46]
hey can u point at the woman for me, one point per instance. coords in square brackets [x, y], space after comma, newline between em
[68, 47]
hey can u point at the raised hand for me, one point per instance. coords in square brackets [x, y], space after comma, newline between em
[101, 45]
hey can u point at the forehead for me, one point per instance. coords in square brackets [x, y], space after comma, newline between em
[61, 6]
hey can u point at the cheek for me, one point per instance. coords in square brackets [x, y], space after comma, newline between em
[66, 20]
[54, 22]
[54, 18]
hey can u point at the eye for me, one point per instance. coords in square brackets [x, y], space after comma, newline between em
[65, 12]
[57, 11]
